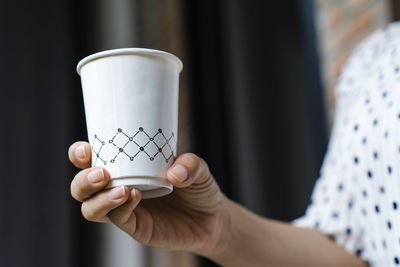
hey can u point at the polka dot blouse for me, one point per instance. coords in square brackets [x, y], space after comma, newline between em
[356, 200]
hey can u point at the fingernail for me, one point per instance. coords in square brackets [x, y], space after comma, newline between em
[80, 152]
[179, 173]
[96, 175]
[117, 193]
[133, 193]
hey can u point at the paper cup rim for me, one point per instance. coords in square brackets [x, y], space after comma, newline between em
[128, 51]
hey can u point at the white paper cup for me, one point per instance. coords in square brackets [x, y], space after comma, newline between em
[131, 107]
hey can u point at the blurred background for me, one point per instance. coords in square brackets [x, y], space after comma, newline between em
[256, 101]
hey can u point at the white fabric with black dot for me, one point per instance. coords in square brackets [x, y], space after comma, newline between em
[356, 200]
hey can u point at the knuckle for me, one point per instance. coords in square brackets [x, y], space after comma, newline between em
[79, 162]
[191, 160]
[198, 168]
[202, 173]
[88, 213]
[205, 165]
[70, 151]
[73, 190]
[78, 186]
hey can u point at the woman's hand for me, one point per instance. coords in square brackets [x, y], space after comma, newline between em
[194, 217]
[198, 217]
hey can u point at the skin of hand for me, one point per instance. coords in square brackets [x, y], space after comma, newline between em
[194, 217]
[198, 217]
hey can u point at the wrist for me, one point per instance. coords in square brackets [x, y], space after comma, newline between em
[238, 240]
[224, 234]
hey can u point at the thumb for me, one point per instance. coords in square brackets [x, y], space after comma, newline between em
[188, 169]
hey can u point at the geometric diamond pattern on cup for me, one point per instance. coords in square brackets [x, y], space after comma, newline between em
[96, 148]
[141, 143]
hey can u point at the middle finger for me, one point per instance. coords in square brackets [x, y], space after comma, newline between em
[87, 182]
[98, 206]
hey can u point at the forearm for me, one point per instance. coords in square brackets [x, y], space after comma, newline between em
[256, 241]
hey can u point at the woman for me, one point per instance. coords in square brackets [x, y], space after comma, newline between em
[353, 219]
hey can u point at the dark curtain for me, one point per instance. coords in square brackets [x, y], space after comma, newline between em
[257, 114]
[41, 114]
[257, 101]
[395, 9]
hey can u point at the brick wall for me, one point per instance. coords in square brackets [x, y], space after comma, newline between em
[341, 25]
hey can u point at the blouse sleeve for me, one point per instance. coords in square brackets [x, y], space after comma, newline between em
[332, 201]
[331, 209]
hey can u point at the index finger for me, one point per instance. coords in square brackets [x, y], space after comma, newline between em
[79, 154]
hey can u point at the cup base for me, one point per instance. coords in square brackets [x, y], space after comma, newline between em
[150, 187]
